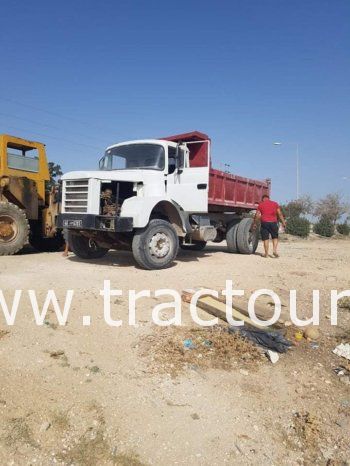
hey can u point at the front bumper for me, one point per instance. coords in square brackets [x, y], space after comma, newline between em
[95, 222]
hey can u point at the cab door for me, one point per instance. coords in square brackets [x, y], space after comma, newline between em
[187, 186]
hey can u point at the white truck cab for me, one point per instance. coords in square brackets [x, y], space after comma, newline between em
[139, 184]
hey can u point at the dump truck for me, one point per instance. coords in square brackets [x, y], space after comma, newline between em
[28, 210]
[155, 195]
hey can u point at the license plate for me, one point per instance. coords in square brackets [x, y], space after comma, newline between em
[73, 223]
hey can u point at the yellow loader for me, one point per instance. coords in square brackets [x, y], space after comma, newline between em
[28, 210]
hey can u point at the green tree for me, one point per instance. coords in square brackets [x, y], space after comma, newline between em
[343, 228]
[55, 171]
[298, 226]
[324, 227]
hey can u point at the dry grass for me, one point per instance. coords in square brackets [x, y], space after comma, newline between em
[213, 348]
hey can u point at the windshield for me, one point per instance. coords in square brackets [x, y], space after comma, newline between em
[131, 156]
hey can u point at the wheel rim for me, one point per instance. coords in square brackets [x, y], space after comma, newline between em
[8, 229]
[92, 245]
[159, 245]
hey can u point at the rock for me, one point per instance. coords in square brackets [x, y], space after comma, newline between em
[343, 350]
[273, 356]
[45, 426]
[345, 380]
[312, 333]
[243, 372]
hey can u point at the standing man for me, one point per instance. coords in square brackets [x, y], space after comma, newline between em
[269, 212]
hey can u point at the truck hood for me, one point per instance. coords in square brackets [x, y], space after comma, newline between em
[114, 175]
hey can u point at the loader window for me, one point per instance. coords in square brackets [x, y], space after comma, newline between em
[134, 156]
[22, 158]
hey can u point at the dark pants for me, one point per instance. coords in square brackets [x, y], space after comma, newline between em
[267, 229]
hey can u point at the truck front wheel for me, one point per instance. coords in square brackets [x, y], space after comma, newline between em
[155, 246]
[14, 229]
[85, 248]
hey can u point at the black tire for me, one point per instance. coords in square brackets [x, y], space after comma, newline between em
[231, 237]
[247, 240]
[85, 248]
[195, 246]
[151, 252]
[14, 229]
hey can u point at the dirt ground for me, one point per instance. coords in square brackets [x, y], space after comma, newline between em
[94, 395]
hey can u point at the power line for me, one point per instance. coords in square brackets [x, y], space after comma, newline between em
[56, 137]
[49, 112]
[7, 115]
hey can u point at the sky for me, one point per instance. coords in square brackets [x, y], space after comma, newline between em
[81, 75]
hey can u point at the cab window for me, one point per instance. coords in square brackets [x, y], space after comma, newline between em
[171, 160]
[22, 158]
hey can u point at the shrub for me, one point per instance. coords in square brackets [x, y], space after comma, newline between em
[343, 229]
[324, 227]
[298, 226]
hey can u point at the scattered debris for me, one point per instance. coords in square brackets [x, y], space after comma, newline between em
[341, 371]
[217, 306]
[343, 350]
[60, 355]
[3, 333]
[188, 343]
[314, 345]
[214, 347]
[344, 302]
[273, 356]
[306, 427]
[56, 354]
[271, 340]
[45, 426]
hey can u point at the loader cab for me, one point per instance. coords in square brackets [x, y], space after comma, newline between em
[20, 158]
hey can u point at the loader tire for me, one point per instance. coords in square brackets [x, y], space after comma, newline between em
[85, 248]
[195, 246]
[14, 229]
[247, 240]
[155, 246]
[231, 237]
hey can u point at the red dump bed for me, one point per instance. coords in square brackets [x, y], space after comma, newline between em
[226, 191]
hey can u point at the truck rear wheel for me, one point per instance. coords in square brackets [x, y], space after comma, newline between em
[155, 246]
[85, 248]
[231, 236]
[14, 229]
[247, 240]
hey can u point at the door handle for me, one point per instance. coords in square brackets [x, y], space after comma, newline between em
[202, 186]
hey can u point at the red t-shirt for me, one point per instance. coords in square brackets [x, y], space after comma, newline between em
[268, 210]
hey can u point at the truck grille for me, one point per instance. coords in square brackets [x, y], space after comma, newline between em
[76, 196]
